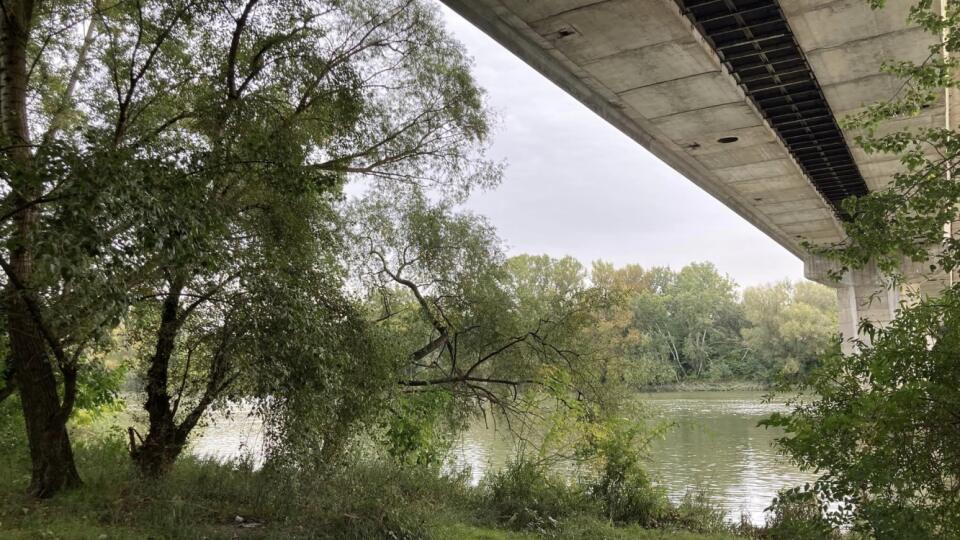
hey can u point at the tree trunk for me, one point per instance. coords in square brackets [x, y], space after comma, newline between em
[166, 438]
[45, 417]
[51, 454]
[161, 447]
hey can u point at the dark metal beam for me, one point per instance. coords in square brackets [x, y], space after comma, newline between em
[754, 40]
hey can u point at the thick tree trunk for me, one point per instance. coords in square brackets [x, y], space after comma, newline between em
[160, 448]
[45, 417]
[50, 451]
[51, 454]
[166, 438]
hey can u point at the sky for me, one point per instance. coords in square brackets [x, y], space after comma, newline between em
[574, 185]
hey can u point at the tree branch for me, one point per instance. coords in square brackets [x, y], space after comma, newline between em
[67, 98]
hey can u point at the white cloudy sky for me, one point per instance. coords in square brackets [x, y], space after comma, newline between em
[576, 186]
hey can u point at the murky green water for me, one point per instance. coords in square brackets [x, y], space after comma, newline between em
[715, 446]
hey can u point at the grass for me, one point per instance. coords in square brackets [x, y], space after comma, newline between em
[587, 529]
[363, 500]
[204, 499]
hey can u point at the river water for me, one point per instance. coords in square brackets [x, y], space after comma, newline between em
[714, 446]
[717, 446]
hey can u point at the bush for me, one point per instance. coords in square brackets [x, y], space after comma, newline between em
[622, 488]
[524, 495]
[797, 515]
[884, 424]
[627, 495]
[696, 512]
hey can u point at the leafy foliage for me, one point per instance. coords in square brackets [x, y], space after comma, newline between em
[671, 326]
[798, 514]
[622, 487]
[470, 331]
[883, 427]
[790, 327]
[525, 495]
[883, 430]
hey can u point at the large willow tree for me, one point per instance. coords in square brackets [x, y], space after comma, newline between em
[469, 331]
[183, 157]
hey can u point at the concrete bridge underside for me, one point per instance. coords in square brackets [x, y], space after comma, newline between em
[742, 97]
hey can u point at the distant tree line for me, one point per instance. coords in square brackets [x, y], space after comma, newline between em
[694, 324]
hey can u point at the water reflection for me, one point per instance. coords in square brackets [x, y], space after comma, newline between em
[714, 446]
[231, 434]
[717, 446]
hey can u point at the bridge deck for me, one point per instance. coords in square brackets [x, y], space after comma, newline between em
[647, 68]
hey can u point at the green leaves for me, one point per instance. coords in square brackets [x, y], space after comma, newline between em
[790, 325]
[198, 150]
[882, 431]
[882, 425]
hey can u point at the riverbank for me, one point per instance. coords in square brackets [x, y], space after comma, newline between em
[708, 386]
[206, 499]
[213, 495]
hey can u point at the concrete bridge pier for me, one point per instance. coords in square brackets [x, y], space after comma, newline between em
[867, 294]
[861, 294]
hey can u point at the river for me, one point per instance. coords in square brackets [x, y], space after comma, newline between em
[714, 446]
[717, 446]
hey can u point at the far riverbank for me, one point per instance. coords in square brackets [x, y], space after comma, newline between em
[708, 386]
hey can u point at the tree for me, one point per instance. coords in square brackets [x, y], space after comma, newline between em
[884, 429]
[30, 174]
[167, 132]
[472, 332]
[633, 352]
[789, 326]
[692, 317]
[280, 118]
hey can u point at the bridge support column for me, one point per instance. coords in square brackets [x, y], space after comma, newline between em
[863, 294]
[867, 294]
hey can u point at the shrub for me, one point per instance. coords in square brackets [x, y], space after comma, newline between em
[797, 515]
[627, 495]
[524, 495]
[622, 488]
[696, 512]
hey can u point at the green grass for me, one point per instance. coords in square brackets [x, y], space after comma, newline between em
[202, 499]
[363, 500]
[587, 529]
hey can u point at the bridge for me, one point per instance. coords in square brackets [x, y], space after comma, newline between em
[743, 98]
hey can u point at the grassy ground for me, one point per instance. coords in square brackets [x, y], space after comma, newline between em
[600, 530]
[203, 499]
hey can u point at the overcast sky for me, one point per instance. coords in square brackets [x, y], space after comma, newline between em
[574, 185]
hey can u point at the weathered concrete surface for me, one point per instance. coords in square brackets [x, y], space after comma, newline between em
[845, 43]
[644, 68]
[867, 294]
[861, 294]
